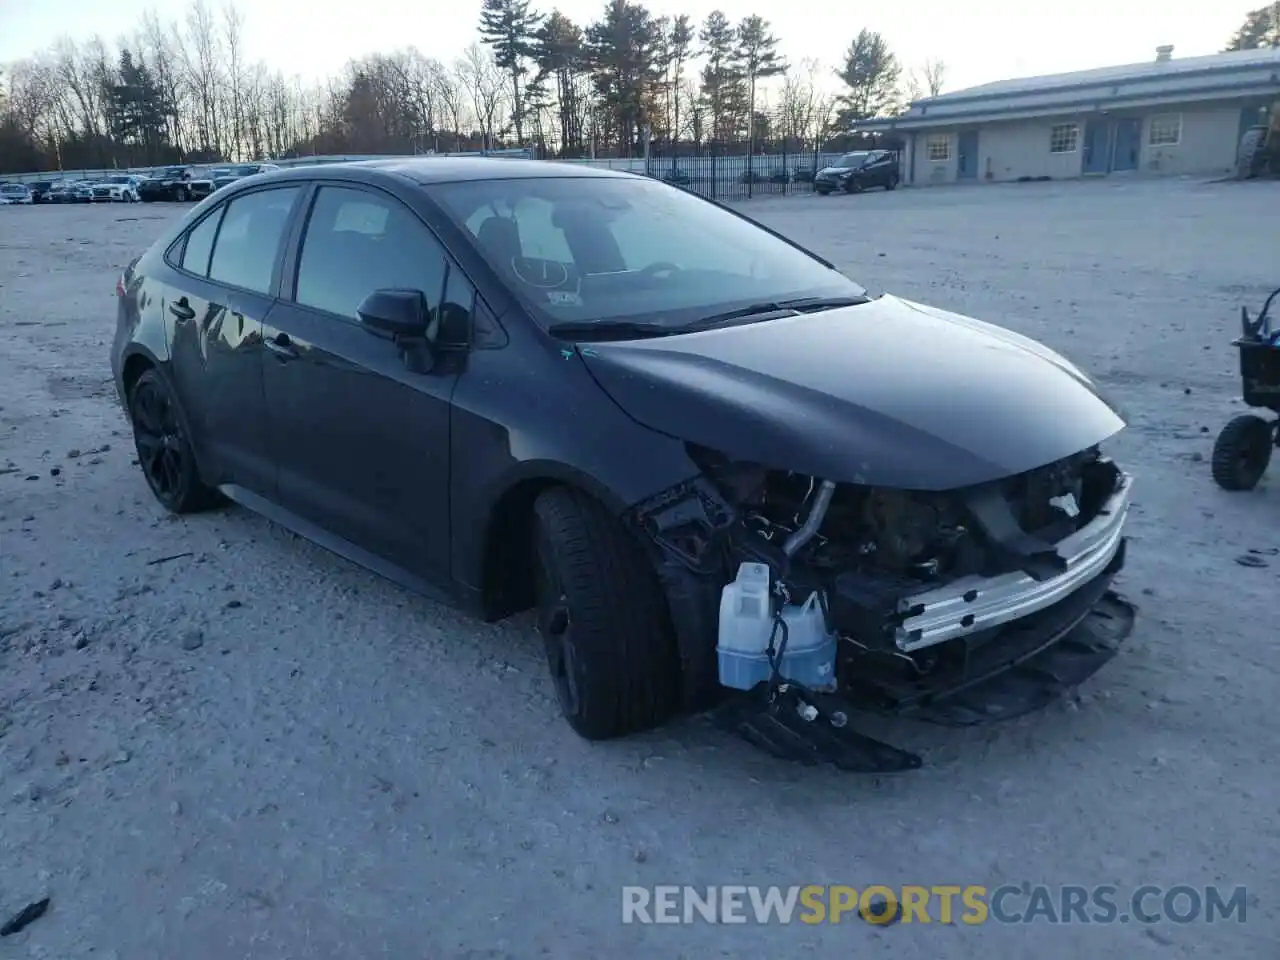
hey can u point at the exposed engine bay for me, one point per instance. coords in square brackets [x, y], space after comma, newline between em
[958, 607]
[900, 573]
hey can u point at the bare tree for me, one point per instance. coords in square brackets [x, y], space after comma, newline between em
[200, 56]
[935, 75]
[159, 45]
[912, 87]
[232, 38]
[486, 87]
[694, 124]
[450, 90]
[81, 73]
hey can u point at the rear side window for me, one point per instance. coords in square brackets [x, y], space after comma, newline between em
[358, 242]
[244, 254]
[195, 256]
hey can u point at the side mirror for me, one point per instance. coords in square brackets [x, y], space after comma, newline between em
[398, 314]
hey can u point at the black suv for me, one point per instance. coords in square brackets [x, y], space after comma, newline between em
[855, 172]
[40, 191]
[171, 183]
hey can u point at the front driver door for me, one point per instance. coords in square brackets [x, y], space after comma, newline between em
[361, 441]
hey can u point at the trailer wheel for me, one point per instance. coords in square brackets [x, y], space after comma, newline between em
[603, 618]
[1242, 452]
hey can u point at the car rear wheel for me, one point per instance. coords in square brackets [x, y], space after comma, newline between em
[164, 447]
[1242, 452]
[603, 619]
[893, 183]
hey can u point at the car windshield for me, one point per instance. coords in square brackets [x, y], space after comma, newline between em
[220, 172]
[118, 179]
[174, 172]
[244, 171]
[13, 188]
[853, 159]
[588, 249]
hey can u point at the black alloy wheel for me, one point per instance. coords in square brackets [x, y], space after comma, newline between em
[164, 449]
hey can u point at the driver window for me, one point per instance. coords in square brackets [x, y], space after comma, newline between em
[358, 242]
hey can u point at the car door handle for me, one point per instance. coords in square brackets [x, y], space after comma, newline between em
[182, 310]
[282, 347]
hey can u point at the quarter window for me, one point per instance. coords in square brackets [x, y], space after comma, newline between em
[195, 255]
[1166, 130]
[358, 242]
[1064, 137]
[939, 147]
[249, 239]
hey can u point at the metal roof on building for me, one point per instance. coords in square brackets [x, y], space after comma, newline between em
[1161, 81]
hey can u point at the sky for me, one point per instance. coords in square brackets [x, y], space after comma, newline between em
[980, 40]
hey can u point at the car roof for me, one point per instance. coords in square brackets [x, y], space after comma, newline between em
[426, 170]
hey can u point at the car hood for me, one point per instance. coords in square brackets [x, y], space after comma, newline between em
[836, 170]
[889, 393]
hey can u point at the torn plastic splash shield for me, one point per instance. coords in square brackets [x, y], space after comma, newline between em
[1023, 670]
[798, 725]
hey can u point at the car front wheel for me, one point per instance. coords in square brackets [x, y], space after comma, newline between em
[603, 619]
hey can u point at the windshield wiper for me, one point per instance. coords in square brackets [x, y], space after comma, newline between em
[629, 329]
[780, 308]
[610, 329]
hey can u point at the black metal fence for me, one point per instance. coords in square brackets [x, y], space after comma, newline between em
[742, 177]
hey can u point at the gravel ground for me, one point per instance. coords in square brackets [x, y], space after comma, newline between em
[217, 740]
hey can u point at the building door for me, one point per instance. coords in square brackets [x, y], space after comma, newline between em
[1251, 116]
[1128, 142]
[1097, 147]
[967, 156]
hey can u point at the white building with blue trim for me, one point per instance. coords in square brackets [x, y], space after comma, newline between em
[1167, 116]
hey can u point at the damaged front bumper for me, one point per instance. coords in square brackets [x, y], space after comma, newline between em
[976, 603]
[1039, 620]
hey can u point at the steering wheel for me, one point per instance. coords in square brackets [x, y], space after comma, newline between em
[661, 268]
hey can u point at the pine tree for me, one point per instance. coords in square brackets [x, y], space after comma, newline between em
[509, 28]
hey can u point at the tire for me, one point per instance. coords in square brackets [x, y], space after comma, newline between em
[603, 618]
[821, 192]
[163, 445]
[892, 184]
[1242, 452]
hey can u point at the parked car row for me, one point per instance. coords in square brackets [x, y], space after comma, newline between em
[177, 183]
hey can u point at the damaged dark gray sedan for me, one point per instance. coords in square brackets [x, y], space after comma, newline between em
[723, 474]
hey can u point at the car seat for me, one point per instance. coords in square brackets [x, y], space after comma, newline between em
[499, 238]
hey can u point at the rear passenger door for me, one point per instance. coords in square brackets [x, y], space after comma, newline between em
[362, 443]
[226, 268]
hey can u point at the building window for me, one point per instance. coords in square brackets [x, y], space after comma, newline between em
[1064, 137]
[1166, 130]
[939, 147]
